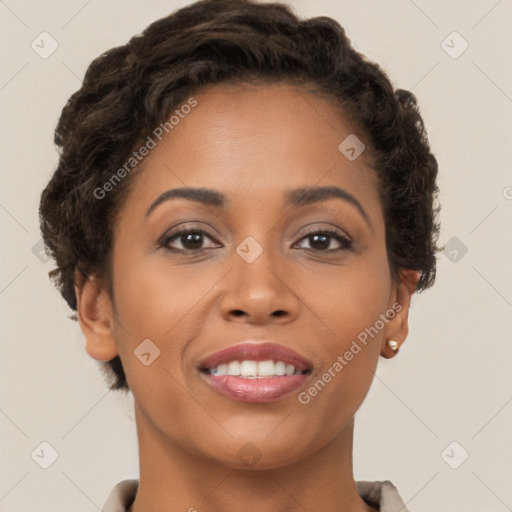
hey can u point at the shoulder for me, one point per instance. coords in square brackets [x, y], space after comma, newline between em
[121, 496]
[382, 494]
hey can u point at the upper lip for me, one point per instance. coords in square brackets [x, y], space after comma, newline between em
[255, 351]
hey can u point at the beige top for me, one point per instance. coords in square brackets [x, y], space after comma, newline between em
[383, 495]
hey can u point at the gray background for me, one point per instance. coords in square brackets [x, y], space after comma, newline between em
[451, 380]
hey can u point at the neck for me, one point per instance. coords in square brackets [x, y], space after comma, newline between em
[173, 479]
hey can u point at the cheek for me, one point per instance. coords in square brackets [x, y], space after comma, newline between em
[157, 303]
[165, 304]
[350, 299]
[350, 304]
[151, 298]
[350, 307]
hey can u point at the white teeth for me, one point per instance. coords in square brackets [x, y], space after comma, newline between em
[254, 369]
[248, 368]
[222, 369]
[266, 368]
[280, 368]
[234, 368]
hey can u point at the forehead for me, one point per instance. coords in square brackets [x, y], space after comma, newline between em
[257, 141]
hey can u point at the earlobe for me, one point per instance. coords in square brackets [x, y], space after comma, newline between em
[95, 315]
[397, 329]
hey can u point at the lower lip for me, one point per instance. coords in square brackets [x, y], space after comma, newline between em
[260, 390]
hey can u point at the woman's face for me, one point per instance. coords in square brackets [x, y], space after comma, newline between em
[263, 270]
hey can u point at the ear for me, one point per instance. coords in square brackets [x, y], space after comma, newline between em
[95, 315]
[397, 327]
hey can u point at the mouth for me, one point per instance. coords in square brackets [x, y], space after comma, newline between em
[256, 372]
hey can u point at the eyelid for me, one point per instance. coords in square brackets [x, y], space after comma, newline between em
[191, 225]
[330, 229]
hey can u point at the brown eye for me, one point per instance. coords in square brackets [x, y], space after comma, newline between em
[190, 240]
[322, 240]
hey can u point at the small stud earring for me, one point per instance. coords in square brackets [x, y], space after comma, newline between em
[393, 345]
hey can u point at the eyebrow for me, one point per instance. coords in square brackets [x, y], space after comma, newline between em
[295, 197]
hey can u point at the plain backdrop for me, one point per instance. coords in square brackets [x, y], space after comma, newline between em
[448, 394]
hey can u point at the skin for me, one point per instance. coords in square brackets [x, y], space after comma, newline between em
[251, 143]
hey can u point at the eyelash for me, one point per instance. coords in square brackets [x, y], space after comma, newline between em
[345, 242]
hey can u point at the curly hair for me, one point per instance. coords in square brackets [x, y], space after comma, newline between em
[130, 89]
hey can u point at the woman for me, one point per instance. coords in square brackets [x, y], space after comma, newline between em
[242, 210]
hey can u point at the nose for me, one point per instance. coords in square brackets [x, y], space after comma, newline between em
[259, 292]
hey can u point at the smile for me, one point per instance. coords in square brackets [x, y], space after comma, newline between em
[255, 372]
